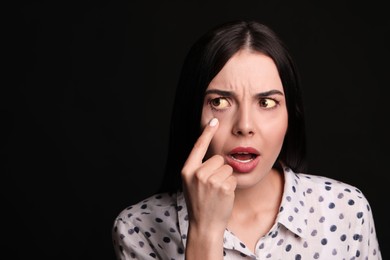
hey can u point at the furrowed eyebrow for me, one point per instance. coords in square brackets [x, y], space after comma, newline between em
[219, 92]
[229, 94]
[269, 93]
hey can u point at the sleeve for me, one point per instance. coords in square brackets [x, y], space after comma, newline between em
[129, 243]
[365, 242]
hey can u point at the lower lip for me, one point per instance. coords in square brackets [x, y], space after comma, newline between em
[242, 167]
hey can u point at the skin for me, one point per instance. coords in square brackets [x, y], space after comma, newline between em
[246, 98]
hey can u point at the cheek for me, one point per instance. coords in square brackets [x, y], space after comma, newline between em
[279, 135]
[276, 131]
[271, 125]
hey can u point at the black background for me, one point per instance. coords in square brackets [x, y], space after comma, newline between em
[86, 116]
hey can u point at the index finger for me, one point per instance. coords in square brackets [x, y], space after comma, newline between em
[200, 147]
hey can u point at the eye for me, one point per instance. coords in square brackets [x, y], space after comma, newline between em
[268, 103]
[219, 103]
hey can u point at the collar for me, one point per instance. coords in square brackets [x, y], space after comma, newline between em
[293, 211]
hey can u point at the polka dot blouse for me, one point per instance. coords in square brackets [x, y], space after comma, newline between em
[319, 218]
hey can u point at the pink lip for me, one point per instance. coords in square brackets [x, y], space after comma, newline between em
[243, 166]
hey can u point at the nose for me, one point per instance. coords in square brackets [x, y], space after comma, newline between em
[244, 124]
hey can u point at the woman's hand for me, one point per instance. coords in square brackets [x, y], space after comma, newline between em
[209, 191]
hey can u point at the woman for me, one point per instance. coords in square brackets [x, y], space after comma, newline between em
[235, 185]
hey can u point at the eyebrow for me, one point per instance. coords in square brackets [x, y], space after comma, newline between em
[230, 94]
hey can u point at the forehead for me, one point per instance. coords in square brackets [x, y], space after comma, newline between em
[248, 69]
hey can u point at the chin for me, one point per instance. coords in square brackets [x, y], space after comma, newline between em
[244, 180]
[250, 179]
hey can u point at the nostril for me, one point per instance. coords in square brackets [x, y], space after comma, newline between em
[243, 133]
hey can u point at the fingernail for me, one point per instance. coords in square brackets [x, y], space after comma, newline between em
[213, 122]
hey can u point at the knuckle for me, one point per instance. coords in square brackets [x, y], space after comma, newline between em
[218, 159]
[227, 188]
[227, 168]
[214, 183]
[185, 171]
[229, 185]
[199, 176]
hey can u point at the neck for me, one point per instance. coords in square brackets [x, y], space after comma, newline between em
[265, 196]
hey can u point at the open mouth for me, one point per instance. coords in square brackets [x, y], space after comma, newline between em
[243, 157]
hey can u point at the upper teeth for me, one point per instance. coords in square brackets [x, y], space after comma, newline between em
[244, 161]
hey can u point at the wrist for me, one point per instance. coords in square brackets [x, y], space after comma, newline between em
[204, 243]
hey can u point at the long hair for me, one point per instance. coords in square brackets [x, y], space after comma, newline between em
[204, 60]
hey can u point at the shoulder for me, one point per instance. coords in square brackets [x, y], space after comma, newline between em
[140, 229]
[151, 207]
[147, 219]
[157, 213]
[325, 188]
[332, 205]
[320, 183]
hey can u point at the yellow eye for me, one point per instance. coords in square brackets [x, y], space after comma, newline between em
[268, 103]
[219, 103]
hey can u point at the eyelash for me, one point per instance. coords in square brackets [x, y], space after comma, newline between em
[214, 99]
[277, 102]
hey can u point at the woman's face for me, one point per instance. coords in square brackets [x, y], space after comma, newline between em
[248, 99]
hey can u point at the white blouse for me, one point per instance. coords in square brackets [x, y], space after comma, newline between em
[319, 218]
